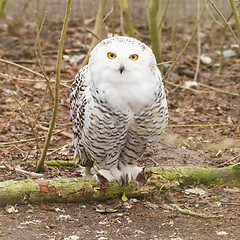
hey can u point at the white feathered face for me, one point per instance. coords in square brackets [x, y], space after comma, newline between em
[121, 60]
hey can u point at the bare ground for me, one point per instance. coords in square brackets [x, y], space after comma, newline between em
[211, 140]
[136, 219]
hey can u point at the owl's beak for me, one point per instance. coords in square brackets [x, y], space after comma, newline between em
[121, 68]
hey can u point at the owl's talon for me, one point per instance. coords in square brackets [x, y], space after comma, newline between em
[129, 172]
[122, 181]
[127, 179]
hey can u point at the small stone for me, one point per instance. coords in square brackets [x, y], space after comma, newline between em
[205, 59]
[52, 226]
[190, 84]
[11, 209]
[63, 217]
[72, 238]
[197, 191]
[222, 233]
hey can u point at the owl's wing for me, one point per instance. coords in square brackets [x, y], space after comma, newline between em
[99, 131]
[78, 105]
[78, 88]
[159, 109]
[153, 119]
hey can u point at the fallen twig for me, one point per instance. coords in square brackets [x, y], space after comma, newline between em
[22, 67]
[192, 213]
[227, 76]
[180, 86]
[18, 170]
[28, 140]
[151, 159]
[219, 90]
[6, 75]
[162, 63]
[58, 149]
[235, 204]
[203, 85]
[229, 161]
[62, 133]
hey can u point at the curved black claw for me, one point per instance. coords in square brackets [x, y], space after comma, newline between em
[122, 181]
[127, 179]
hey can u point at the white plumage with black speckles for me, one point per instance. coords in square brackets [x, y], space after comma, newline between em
[118, 108]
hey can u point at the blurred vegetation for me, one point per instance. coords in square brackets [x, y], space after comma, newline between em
[2, 6]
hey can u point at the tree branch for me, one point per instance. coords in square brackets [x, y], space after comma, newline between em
[40, 163]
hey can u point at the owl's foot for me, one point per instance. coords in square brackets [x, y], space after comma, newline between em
[143, 177]
[130, 172]
[111, 175]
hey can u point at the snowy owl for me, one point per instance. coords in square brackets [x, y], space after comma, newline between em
[118, 108]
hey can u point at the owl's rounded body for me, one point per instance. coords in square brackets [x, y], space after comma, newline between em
[118, 108]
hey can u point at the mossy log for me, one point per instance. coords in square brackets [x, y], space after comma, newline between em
[225, 176]
[85, 190]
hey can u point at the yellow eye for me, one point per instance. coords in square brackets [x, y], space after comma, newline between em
[111, 55]
[134, 57]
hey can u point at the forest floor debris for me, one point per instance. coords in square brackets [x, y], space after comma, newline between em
[203, 131]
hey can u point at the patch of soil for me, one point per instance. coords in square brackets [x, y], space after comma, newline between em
[150, 218]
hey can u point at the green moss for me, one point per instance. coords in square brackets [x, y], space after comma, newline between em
[60, 163]
[65, 187]
[216, 199]
[205, 175]
[16, 191]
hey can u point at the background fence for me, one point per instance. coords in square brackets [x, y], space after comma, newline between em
[186, 9]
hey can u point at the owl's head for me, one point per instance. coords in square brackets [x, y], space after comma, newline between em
[122, 60]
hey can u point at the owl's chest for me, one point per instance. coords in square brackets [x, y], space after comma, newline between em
[127, 97]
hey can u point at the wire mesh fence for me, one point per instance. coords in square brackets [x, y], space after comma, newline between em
[186, 9]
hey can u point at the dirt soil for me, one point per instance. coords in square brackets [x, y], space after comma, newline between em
[203, 131]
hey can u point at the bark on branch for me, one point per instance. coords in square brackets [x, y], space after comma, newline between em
[85, 190]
